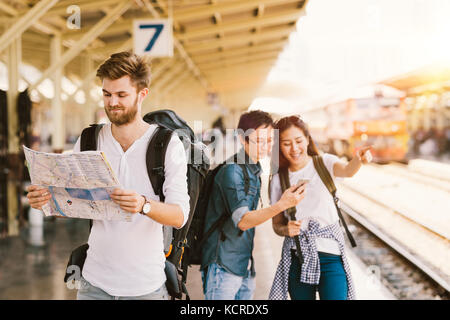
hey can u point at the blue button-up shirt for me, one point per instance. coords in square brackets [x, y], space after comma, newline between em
[230, 247]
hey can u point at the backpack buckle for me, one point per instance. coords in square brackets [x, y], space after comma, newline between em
[180, 244]
[336, 200]
[158, 171]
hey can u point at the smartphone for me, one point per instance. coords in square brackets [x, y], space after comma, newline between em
[301, 182]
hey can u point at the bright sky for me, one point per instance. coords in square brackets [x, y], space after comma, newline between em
[345, 44]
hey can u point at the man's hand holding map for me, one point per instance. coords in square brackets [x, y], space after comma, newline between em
[80, 184]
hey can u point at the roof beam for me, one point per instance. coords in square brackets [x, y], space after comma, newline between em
[93, 33]
[259, 14]
[161, 67]
[8, 9]
[280, 18]
[25, 22]
[91, 76]
[164, 7]
[239, 60]
[225, 71]
[241, 83]
[224, 8]
[174, 84]
[205, 57]
[240, 39]
[127, 24]
[40, 26]
[61, 7]
[190, 64]
[177, 68]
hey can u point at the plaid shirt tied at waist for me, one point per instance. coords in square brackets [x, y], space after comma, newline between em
[310, 269]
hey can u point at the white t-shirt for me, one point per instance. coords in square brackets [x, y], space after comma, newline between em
[317, 204]
[127, 258]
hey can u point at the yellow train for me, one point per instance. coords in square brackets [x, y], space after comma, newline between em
[342, 127]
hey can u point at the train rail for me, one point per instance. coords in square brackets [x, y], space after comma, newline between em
[406, 274]
[417, 176]
[413, 197]
[401, 217]
[438, 170]
[401, 213]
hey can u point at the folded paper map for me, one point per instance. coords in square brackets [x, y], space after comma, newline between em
[80, 184]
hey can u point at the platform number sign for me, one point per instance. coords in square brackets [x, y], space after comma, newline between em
[153, 37]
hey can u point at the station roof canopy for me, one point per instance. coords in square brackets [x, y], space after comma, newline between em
[429, 78]
[225, 46]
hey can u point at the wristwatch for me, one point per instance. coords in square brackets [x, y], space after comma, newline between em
[146, 207]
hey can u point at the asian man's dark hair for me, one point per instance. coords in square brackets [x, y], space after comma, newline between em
[253, 120]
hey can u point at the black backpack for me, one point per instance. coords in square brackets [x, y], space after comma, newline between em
[175, 240]
[197, 236]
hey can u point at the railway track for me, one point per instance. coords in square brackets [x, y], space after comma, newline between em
[404, 273]
[421, 199]
[400, 216]
[433, 169]
[416, 176]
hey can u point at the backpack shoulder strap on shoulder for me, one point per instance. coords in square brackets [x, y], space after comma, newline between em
[284, 179]
[237, 160]
[324, 174]
[329, 183]
[88, 142]
[89, 137]
[285, 184]
[246, 178]
[155, 158]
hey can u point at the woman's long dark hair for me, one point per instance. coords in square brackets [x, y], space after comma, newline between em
[285, 123]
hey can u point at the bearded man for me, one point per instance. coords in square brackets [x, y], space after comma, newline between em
[125, 260]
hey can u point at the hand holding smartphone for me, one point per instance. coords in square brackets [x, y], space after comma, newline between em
[301, 182]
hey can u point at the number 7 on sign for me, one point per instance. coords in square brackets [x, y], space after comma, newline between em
[158, 29]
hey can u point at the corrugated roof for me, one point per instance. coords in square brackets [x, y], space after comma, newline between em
[227, 47]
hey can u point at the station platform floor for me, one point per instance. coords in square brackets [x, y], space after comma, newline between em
[30, 272]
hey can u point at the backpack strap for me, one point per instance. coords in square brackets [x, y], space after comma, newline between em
[155, 158]
[329, 184]
[89, 137]
[285, 184]
[219, 223]
[88, 142]
[246, 178]
[324, 174]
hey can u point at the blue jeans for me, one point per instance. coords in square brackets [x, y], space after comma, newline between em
[90, 292]
[332, 283]
[219, 284]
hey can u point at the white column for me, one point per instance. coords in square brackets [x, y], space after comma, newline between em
[59, 132]
[90, 105]
[14, 53]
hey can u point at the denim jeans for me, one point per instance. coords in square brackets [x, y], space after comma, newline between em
[219, 284]
[89, 292]
[332, 284]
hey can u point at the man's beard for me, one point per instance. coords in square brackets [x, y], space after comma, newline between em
[124, 117]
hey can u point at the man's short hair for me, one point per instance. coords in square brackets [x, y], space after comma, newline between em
[126, 64]
[253, 120]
